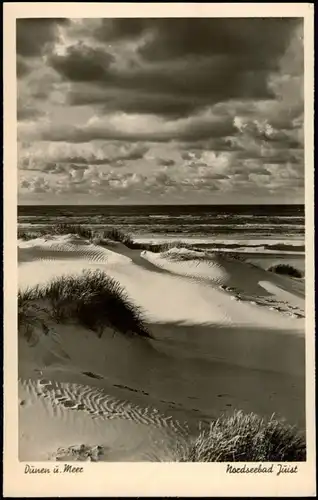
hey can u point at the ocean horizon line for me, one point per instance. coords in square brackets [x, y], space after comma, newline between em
[165, 205]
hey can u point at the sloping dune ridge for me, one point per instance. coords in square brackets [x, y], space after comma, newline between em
[224, 335]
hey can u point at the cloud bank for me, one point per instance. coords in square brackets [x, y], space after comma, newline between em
[160, 110]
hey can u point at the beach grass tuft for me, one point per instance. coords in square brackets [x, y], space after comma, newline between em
[112, 236]
[126, 239]
[92, 298]
[27, 234]
[286, 269]
[99, 237]
[245, 438]
[57, 229]
[115, 234]
[161, 247]
[76, 229]
[31, 315]
[187, 257]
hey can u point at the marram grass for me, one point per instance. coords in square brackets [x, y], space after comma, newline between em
[243, 437]
[119, 236]
[28, 234]
[92, 299]
[97, 236]
[286, 269]
[55, 230]
[96, 301]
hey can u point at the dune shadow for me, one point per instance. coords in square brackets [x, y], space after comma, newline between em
[258, 348]
[226, 367]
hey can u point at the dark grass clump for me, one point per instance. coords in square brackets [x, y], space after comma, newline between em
[183, 257]
[31, 316]
[122, 237]
[246, 438]
[77, 229]
[104, 242]
[161, 247]
[99, 237]
[28, 234]
[202, 255]
[238, 256]
[286, 270]
[93, 299]
[164, 247]
[117, 235]
[56, 229]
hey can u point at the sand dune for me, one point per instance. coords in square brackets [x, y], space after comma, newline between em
[64, 247]
[241, 279]
[77, 415]
[225, 335]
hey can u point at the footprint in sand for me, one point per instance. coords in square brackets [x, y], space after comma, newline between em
[271, 303]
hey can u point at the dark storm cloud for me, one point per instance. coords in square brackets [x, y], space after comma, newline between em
[83, 63]
[253, 43]
[25, 113]
[283, 140]
[22, 67]
[177, 90]
[183, 105]
[134, 100]
[121, 29]
[34, 36]
[166, 162]
[179, 37]
[186, 64]
[192, 130]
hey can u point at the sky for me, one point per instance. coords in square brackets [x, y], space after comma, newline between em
[160, 111]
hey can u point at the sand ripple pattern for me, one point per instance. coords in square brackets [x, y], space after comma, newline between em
[62, 252]
[204, 271]
[98, 404]
[67, 249]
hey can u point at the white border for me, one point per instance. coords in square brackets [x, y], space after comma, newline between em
[149, 479]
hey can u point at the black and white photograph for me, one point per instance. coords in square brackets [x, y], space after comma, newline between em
[161, 278]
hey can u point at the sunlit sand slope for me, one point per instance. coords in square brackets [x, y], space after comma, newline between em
[225, 335]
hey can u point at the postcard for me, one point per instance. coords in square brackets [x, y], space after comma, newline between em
[159, 250]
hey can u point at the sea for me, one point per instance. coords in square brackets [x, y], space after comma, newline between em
[265, 228]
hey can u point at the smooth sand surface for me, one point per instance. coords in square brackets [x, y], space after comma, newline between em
[226, 335]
